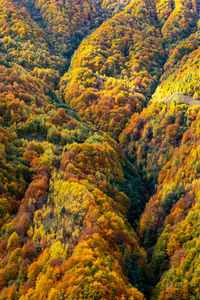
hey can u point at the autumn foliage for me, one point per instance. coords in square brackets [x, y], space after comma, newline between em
[99, 149]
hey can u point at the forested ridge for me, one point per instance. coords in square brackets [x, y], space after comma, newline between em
[99, 149]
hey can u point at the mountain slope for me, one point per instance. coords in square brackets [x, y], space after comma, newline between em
[99, 143]
[116, 68]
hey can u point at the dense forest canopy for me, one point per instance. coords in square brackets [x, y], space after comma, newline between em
[99, 149]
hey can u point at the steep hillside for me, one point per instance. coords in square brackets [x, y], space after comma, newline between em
[99, 149]
[116, 68]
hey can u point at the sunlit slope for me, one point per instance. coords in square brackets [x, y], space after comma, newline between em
[116, 68]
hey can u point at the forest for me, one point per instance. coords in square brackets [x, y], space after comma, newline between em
[99, 149]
